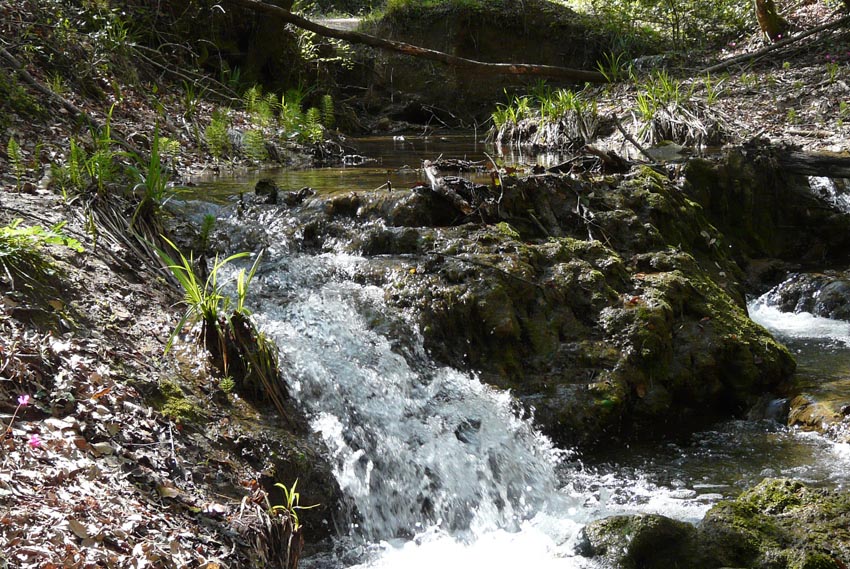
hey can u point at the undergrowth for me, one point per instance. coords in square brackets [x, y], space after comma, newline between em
[21, 252]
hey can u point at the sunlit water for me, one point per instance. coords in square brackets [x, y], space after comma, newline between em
[398, 162]
[443, 471]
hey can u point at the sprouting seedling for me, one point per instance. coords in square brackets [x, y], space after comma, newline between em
[291, 505]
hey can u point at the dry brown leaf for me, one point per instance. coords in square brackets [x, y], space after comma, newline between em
[78, 529]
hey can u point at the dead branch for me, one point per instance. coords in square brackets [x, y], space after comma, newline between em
[75, 111]
[631, 139]
[416, 51]
[781, 43]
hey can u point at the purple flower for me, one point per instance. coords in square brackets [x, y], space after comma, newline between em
[35, 441]
[23, 400]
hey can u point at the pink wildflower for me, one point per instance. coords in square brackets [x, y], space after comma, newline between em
[35, 441]
[23, 400]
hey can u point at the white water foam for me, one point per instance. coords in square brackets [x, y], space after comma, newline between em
[799, 325]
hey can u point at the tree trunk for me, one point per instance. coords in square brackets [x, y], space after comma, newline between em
[772, 24]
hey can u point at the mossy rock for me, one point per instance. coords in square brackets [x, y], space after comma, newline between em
[780, 523]
[627, 321]
[642, 541]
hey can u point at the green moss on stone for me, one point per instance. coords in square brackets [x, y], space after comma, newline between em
[175, 405]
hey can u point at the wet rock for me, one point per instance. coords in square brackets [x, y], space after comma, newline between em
[814, 414]
[768, 213]
[822, 294]
[779, 524]
[627, 337]
[646, 541]
[612, 308]
[293, 199]
[267, 189]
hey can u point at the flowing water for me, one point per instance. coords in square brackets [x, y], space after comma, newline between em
[444, 471]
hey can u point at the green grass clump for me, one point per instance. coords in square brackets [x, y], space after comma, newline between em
[21, 254]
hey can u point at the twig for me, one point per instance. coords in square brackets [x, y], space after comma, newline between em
[631, 139]
[68, 105]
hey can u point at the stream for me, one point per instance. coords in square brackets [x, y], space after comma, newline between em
[441, 470]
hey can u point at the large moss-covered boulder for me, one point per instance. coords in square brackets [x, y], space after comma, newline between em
[612, 307]
[641, 541]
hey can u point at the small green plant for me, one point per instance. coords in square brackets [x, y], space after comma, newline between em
[205, 301]
[328, 118]
[262, 109]
[254, 145]
[16, 157]
[832, 71]
[226, 384]
[218, 141]
[613, 67]
[243, 281]
[786, 65]
[791, 116]
[20, 250]
[207, 225]
[291, 115]
[191, 99]
[713, 89]
[152, 178]
[291, 505]
[70, 176]
[313, 130]
[101, 166]
[57, 84]
[749, 80]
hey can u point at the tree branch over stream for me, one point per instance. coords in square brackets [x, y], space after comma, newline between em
[425, 53]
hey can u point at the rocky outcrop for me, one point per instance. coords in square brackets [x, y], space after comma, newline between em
[612, 308]
[767, 212]
[779, 524]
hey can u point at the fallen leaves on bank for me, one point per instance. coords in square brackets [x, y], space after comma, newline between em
[90, 477]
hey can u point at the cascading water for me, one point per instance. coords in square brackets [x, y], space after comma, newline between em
[420, 449]
[442, 470]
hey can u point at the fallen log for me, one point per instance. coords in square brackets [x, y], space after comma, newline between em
[807, 163]
[578, 75]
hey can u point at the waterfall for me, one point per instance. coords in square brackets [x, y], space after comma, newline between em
[414, 444]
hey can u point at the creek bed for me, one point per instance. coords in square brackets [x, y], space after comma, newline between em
[497, 494]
